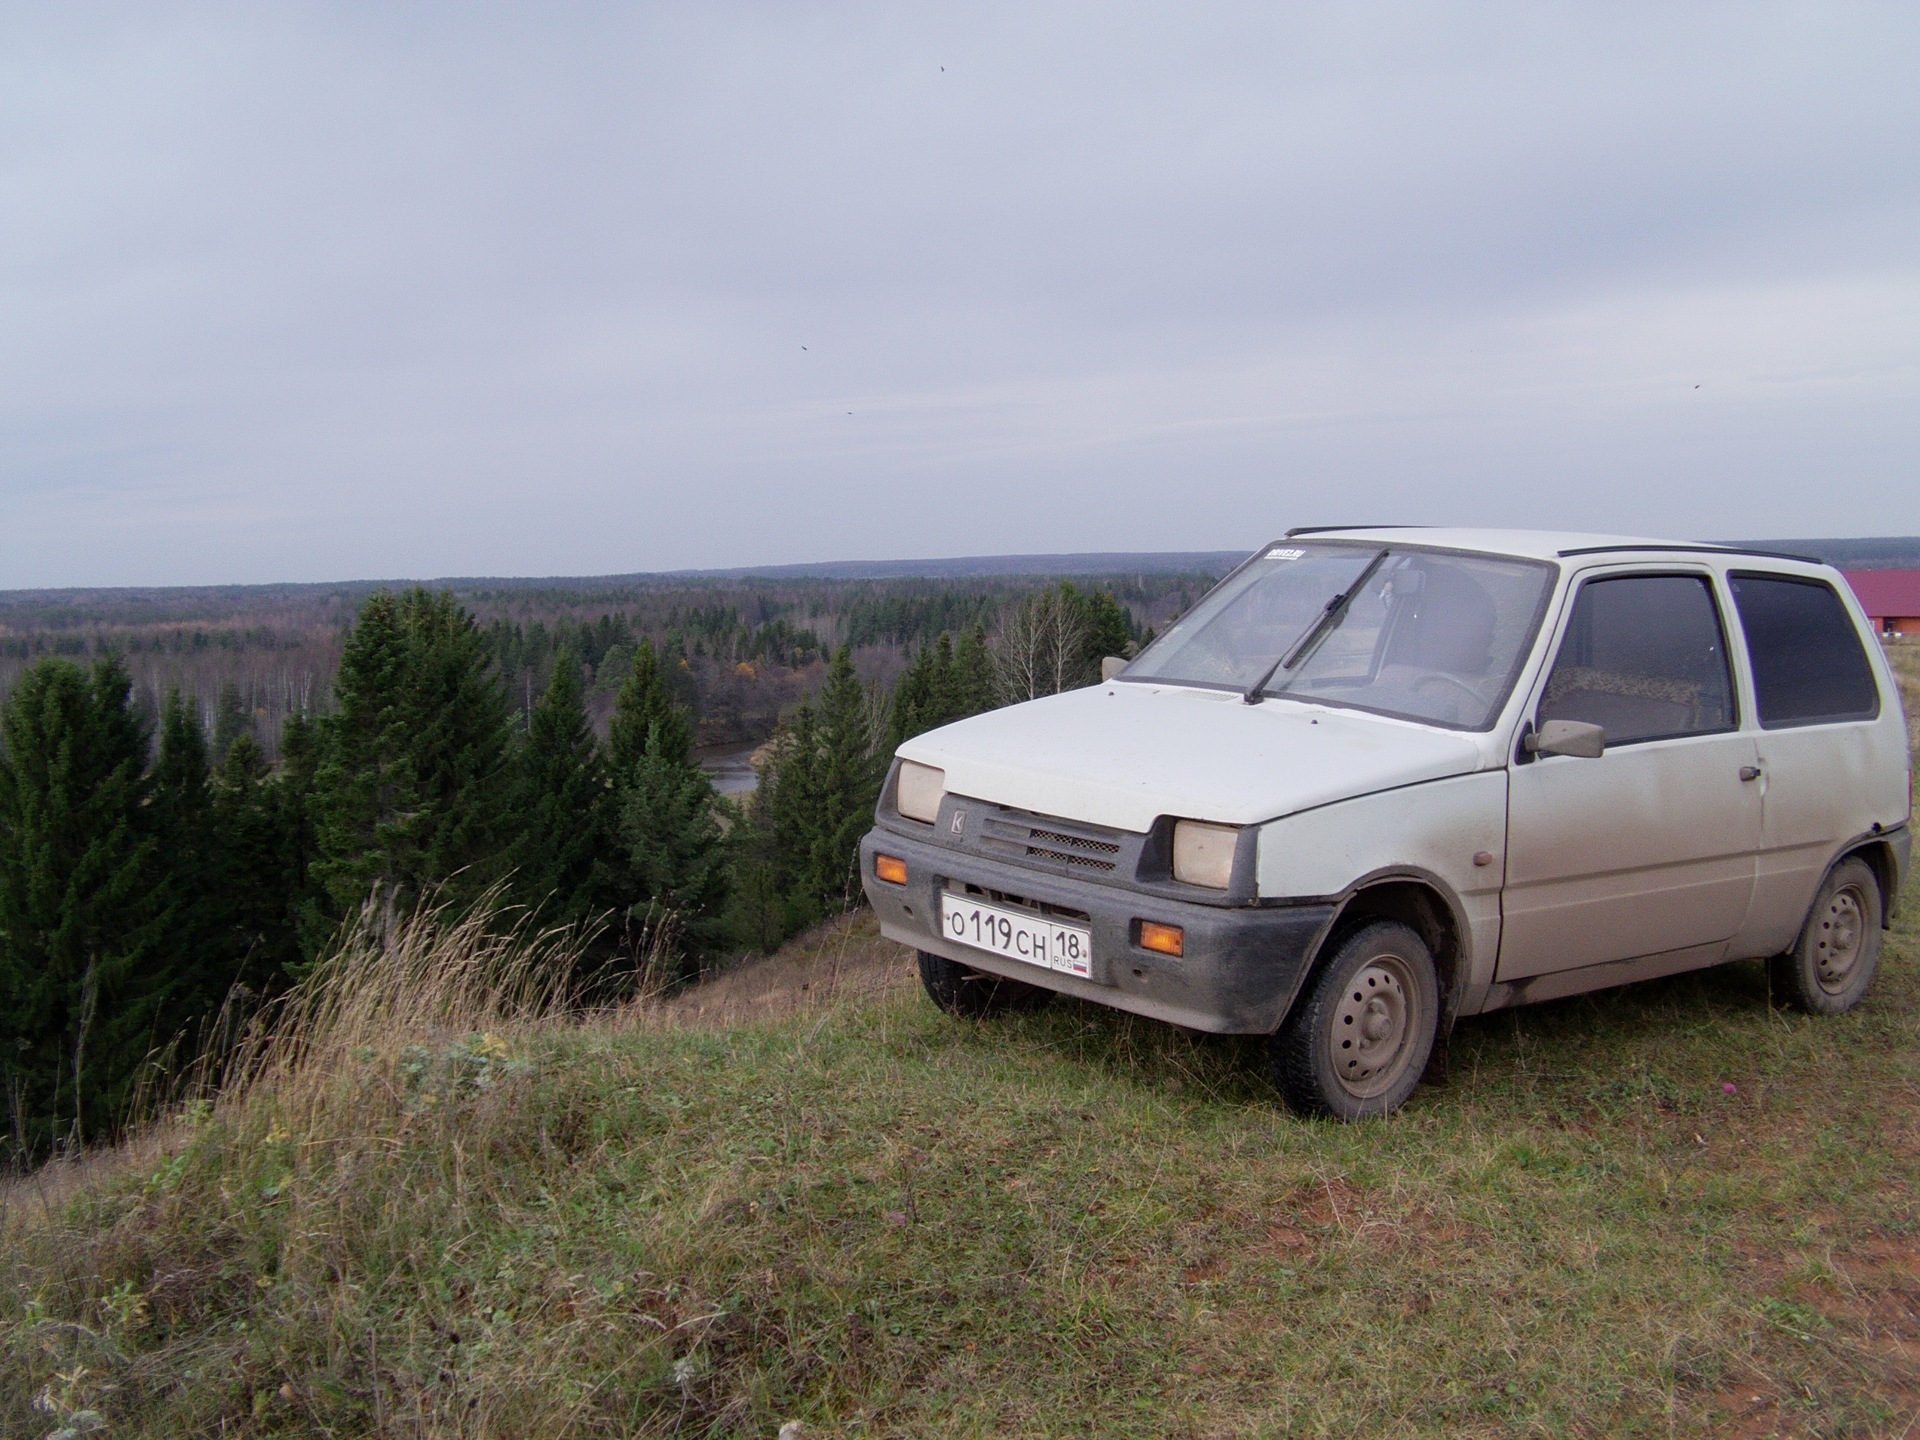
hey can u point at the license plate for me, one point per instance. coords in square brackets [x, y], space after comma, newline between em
[1017, 934]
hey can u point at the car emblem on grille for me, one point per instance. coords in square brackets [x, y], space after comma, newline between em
[959, 822]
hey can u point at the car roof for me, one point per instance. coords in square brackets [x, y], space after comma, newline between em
[1531, 544]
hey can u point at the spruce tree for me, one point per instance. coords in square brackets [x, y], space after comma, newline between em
[674, 848]
[787, 815]
[1108, 627]
[973, 678]
[459, 739]
[195, 949]
[265, 847]
[413, 787]
[563, 801]
[78, 914]
[664, 804]
[847, 782]
[645, 714]
[363, 790]
[758, 913]
[941, 684]
[289, 797]
[916, 700]
[231, 720]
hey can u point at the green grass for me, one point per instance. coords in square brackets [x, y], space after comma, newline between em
[469, 1220]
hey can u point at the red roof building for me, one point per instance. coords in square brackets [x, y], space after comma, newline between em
[1891, 599]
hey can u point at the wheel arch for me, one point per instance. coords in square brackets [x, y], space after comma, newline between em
[1425, 905]
[1879, 857]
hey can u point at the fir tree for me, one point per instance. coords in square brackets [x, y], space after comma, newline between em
[759, 912]
[459, 740]
[645, 714]
[363, 789]
[673, 843]
[413, 785]
[196, 954]
[915, 709]
[1108, 626]
[289, 797]
[664, 803]
[799, 851]
[786, 815]
[847, 782]
[973, 679]
[77, 909]
[941, 684]
[265, 847]
[563, 803]
[231, 720]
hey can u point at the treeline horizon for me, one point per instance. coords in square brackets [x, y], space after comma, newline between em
[156, 871]
[271, 652]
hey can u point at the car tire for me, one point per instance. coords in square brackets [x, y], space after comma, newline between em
[974, 994]
[1357, 1043]
[1838, 953]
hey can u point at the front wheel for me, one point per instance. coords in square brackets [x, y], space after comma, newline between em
[1357, 1043]
[1834, 960]
[973, 994]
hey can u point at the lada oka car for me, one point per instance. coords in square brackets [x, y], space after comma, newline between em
[1378, 779]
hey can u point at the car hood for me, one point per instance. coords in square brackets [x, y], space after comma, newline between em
[1124, 754]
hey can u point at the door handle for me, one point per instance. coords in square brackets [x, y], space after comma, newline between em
[1749, 772]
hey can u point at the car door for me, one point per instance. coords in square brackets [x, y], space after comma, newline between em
[1649, 848]
[1825, 761]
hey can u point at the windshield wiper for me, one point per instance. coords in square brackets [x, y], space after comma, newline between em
[1322, 624]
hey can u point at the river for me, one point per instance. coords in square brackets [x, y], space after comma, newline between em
[731, 767]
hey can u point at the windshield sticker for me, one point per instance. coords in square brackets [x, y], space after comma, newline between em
[1280, 552]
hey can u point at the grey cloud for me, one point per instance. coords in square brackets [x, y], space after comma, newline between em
[329, 291]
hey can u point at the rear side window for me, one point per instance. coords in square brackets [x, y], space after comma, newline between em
[1808, 666]
[1644, 658]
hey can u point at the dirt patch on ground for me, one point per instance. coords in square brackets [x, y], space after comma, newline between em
[836, 962]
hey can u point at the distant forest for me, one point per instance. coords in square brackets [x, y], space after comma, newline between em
[198, 790]
[739, 651]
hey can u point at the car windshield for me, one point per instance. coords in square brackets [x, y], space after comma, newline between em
[1427, 634]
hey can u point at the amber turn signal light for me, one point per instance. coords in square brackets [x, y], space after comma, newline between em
[886, 867]
[1167, 939]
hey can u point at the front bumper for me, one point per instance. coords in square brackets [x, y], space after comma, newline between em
[1240, 970]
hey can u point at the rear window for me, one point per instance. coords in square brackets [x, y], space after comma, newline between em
[1808, 664]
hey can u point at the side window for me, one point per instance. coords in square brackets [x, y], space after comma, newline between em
[1644, 658]
[1808, 666]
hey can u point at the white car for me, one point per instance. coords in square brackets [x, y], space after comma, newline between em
[1381, 778]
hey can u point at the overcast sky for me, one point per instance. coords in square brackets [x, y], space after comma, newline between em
[334, 291]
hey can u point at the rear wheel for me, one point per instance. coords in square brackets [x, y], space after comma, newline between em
[1838, 952]
[1357, 1043]
[973, 994]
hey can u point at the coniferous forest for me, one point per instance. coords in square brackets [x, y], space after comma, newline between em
[197, 789]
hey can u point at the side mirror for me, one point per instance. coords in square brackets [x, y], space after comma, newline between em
[1568, 737]
[1111, 666]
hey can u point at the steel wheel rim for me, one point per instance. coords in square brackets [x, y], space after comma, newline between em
[1374, 1027]
[1838, 939]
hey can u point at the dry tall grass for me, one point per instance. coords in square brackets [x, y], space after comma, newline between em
[432, 1200]
[375, 1112]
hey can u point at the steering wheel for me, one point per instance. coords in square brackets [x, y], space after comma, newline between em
[1441, 678]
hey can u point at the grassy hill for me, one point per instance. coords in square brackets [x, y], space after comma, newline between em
[854, 1212]
[432, 1207]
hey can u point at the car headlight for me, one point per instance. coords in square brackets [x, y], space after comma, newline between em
[1203, 854]
[917, 795]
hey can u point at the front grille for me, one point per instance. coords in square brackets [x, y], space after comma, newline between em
[1052, 842]
[1076, 850]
